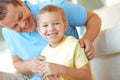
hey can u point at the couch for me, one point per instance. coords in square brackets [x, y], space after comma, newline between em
[106, 64]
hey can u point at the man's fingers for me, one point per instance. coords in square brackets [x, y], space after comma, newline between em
[90, 54]
[82, 43]
[41, 58]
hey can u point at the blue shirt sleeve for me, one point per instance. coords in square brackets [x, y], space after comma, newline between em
[24, 45]
[8, 38]
[75, 13]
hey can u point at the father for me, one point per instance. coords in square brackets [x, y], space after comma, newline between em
[19, 30]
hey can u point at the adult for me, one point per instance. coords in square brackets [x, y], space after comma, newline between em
[18, 20]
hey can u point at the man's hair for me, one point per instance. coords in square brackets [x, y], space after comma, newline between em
[52, 8]
[3, 8]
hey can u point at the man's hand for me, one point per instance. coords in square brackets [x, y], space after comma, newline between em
[49, 69]
[28, 67]
[52, 77]
[34, 64]
[92, 26]
[87, 45]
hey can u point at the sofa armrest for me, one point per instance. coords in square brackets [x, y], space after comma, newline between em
[108, 41]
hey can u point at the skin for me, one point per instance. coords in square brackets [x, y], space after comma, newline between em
[26, 24]
[93, 26]
[22, 21]
[1, 76]
[52, 28]
[83, 73]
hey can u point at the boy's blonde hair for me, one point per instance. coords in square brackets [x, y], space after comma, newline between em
[52, 8]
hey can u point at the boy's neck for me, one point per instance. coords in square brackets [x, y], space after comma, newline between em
[53, 45]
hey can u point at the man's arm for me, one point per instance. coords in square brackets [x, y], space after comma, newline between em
[21, 66]
[93, 25]
[27, 67]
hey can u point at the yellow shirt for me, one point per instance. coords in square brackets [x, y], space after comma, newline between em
[68, 53]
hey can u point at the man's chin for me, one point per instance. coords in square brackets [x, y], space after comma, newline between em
[32, 30]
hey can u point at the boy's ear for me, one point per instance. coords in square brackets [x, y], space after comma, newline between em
[65, 25]
[37, 27]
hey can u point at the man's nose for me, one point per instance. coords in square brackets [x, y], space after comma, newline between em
[24, 24]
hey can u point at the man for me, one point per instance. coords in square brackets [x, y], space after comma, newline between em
[23, 40]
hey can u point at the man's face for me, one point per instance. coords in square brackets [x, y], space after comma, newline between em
[19, 19]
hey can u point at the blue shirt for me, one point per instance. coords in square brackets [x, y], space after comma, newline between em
[28, 45]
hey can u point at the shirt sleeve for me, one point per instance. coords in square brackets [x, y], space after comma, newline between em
[7, 36]
[75, 13]
[80, 58]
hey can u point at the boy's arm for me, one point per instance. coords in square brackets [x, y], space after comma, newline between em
[82, 73]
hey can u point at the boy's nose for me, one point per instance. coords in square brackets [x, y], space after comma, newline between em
[51, 27]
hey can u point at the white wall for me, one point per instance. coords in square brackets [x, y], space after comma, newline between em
[112, 2]
[105, 65]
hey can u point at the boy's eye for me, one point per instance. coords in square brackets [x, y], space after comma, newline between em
[45, 25]
[56, 23]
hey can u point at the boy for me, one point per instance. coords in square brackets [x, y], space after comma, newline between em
[64, 56]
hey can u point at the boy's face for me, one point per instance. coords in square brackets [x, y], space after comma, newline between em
[51, 26]
[19, 19]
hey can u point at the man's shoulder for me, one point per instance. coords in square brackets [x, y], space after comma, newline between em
[6, 31]
[44, 1]
[32, 1]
